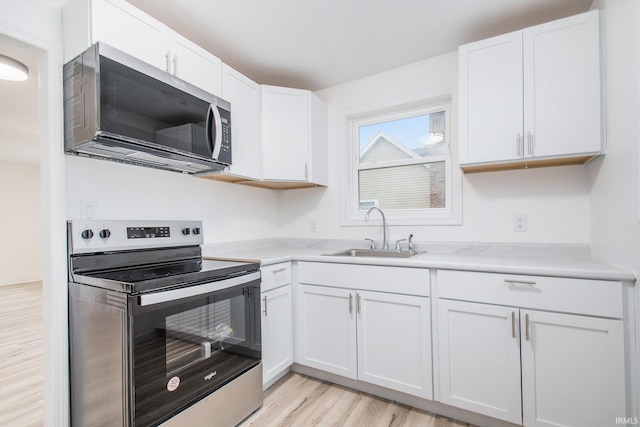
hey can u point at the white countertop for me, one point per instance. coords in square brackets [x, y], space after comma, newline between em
[541, 260]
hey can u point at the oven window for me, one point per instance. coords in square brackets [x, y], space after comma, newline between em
[202, 332]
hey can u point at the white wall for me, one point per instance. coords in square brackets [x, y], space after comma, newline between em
[555, 200]
[614, 178]
[229, 212]
[20, 223]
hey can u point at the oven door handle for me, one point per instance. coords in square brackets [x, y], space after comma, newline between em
[190, 291]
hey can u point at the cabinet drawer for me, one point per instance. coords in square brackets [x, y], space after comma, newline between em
[580, 296]
[275, 275]
[400, 280]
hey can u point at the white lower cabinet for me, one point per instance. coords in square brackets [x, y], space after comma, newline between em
[572, 370]
[377, 337]
[327, 336]
[394, 342]
[525, 366]
[276, 321]
[479, 352]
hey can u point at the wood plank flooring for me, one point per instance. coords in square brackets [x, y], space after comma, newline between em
[21, 355]
[300, 401]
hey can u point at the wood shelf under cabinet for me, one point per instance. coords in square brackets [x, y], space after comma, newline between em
[271, 185]
[527, 164]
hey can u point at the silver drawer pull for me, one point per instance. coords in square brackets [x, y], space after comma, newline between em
[513, 324]
[265, 305]
[510, 282]
[280, 270]
[526, 327]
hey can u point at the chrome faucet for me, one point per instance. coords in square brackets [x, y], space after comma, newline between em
[384, 225]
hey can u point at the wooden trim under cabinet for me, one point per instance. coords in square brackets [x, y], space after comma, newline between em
[271, 185]
[527, 164]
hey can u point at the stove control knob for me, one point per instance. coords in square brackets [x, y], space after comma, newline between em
[196, 230]
[186, 231]
[87, 234]
[105, 234]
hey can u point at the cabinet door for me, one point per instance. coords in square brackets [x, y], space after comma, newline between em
[277, 332]
[562, 87]
[285, 133]
[195, 65]
[490, 83]
[326, 333]
[244, 96]
[572, 370]
[394, 342]
[124, 27]
[479, 354]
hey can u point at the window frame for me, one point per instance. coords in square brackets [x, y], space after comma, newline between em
[451, 214]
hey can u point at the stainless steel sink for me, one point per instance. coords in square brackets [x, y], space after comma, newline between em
[380, 253]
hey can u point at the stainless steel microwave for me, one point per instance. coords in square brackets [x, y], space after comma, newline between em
[119, 108]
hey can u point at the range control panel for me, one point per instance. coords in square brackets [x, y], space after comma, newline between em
[89, 236]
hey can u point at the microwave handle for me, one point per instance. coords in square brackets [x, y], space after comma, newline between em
[214, 135]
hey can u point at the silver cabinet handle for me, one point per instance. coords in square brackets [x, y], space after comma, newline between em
[358, 303]
[167, 60]
[526, 327]
[175, 65]
[513, 324]
[350, 303]
[279, 270]
[530, 142]
[510, 282]
[519, 144]
[265, 305]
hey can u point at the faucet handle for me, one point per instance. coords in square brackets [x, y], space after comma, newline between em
[372, 245]
[410, 242]
[398, 244]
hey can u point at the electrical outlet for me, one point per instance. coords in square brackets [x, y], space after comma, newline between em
[313, 226]
[520, 223]
[88, 209]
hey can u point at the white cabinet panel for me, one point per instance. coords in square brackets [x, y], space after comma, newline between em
[285, 133]
[294, 136]
[479, 355]
[490, 79]
[326, 336]
[572, 370]
[125, 27]
[195, 65]
[562, 87]
[394, 346]
[277, 331]
[245, 97]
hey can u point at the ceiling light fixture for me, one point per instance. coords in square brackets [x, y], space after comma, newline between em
[10, 69]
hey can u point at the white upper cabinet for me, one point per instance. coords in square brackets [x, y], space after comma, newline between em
[195, 65]
[533, 96]
[121, 25]
[294, 136]
[244, 96]
[491, 121]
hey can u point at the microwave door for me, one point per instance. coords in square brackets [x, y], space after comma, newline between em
[214, 131]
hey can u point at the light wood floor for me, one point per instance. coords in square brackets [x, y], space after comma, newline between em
[300, 401]
[21, 355]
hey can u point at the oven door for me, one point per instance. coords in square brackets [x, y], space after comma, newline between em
[190, 341]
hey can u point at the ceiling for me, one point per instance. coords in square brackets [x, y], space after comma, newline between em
[315, 44]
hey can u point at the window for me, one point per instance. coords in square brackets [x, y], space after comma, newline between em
[402, 164]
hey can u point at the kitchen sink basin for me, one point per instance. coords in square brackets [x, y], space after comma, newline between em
[380, 253]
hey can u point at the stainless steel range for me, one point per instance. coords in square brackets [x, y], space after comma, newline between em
[158, 334]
